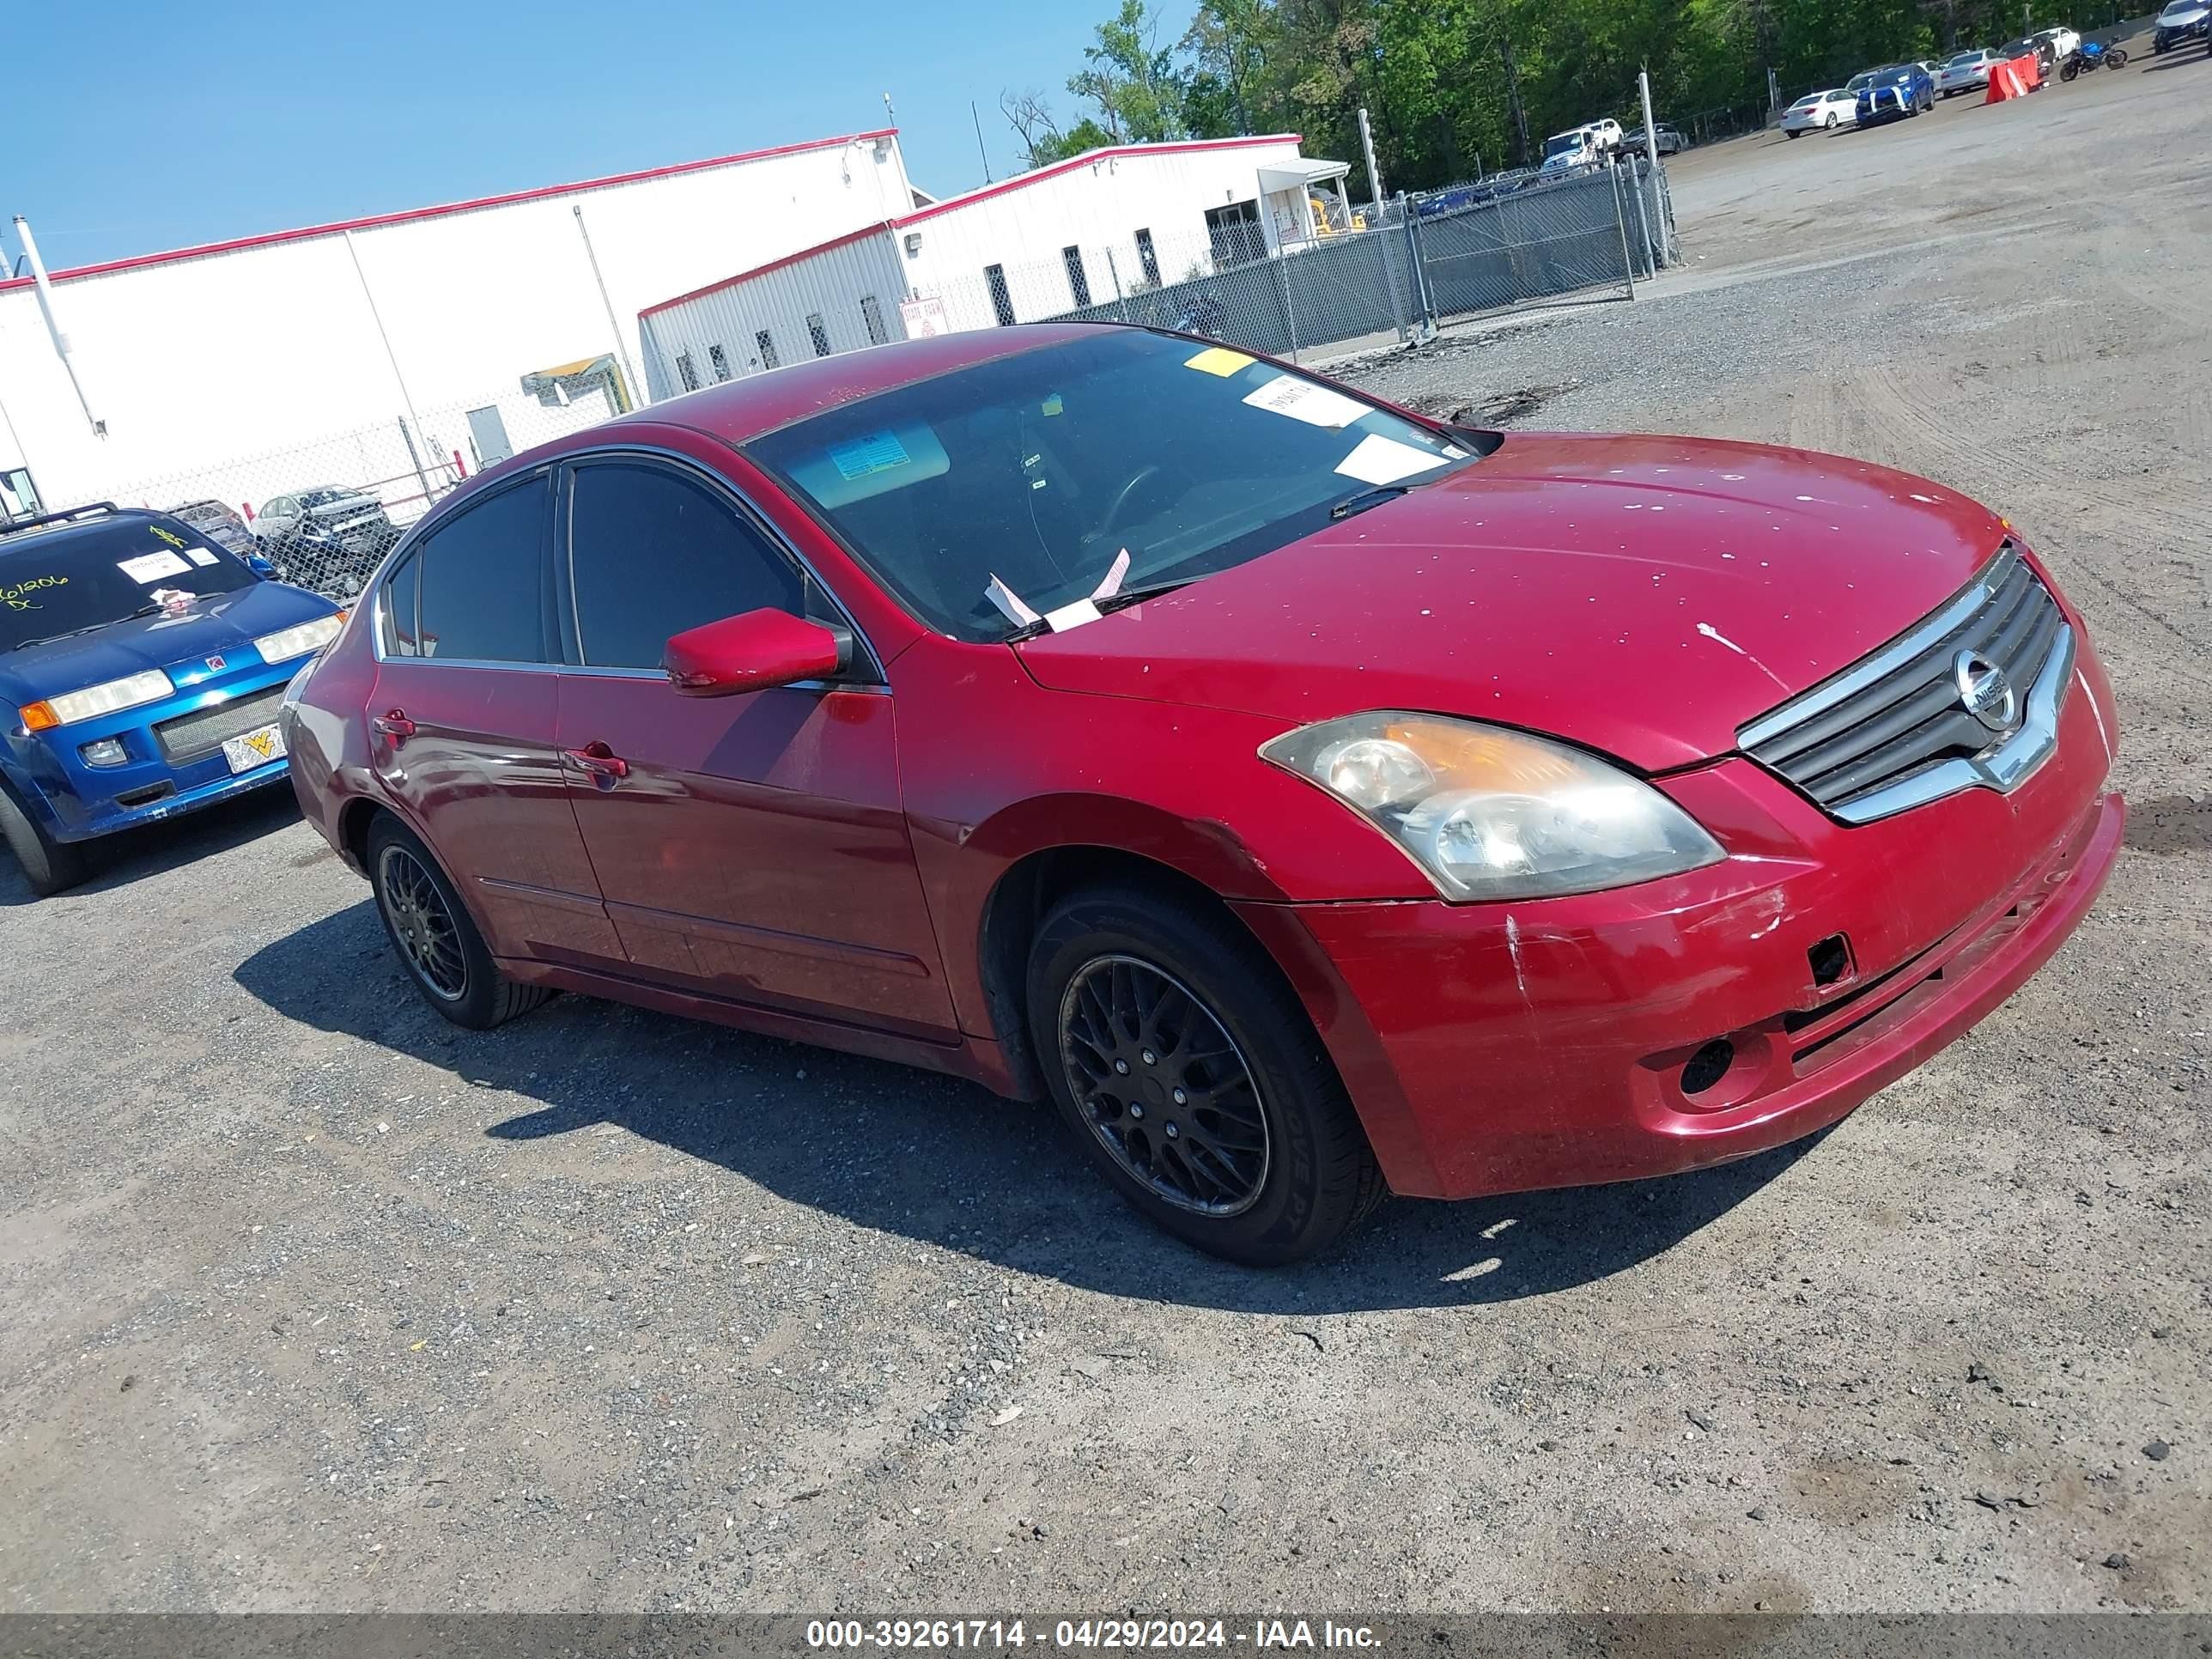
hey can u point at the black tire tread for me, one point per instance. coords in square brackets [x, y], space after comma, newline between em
[49, 867]
[506, 998]
[1349, 1175]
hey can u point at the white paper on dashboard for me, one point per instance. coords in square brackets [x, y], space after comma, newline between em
[1379, 460]
[1302, 400]
[152, 567]
[199, 556]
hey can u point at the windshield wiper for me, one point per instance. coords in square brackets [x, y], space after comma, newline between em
[91, 628]
[1360, 500]
[1112, 602]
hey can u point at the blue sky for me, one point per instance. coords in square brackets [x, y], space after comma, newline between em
[144, 125]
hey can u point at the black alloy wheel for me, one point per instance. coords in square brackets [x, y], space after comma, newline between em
[1163, 1086]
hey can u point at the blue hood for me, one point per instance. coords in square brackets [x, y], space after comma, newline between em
[222, 625]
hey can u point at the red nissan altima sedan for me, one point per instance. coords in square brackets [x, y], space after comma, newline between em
[1312, 799]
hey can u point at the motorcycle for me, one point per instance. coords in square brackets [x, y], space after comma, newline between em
[2091, 55]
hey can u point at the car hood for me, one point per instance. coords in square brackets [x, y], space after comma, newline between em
[222, 625]
[1641, 596]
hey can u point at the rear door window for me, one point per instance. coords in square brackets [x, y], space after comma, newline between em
[481, 584]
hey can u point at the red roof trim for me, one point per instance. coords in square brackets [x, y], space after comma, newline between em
[377, 222]
[969, 198]
[848, 238]
[1089, 158]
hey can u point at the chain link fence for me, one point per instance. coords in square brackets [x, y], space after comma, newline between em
[325, 512]
[1380, 275]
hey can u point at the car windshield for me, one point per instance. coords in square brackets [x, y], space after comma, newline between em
[1859, 82]
[72, 578]
[324, 495]
[1040, 468]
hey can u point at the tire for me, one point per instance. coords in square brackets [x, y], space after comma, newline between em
[1833, 118]
[1790, 134]
[432, 935]
[1281, 1169]
[49, 866]
[2116, 59]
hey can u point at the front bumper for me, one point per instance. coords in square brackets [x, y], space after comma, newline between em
[75, 801]
[1492, 1048]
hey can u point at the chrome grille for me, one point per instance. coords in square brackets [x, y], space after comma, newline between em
[1895, 730]
[189, 737]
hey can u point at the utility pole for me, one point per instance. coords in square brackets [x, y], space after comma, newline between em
[1374, 174]
[980, 150]
[1513, 97]
[53, 323]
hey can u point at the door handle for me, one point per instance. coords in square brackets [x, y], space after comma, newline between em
[394, 725]
[602, 762]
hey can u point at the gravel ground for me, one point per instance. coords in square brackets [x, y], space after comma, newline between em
[314, 1303]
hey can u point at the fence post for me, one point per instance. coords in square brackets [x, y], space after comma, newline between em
[416, 456]
[1290, 309]
[1644, 224]
[1620, 218]
[1120, 305]
[1424, 303]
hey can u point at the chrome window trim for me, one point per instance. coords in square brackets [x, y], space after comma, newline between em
[2002, 767]
[1887, 659]
[750, 510]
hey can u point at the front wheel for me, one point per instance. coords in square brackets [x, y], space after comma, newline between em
[1789, 132]
[1193, 1078]
[1833, 118]
[49, 866]
[436, 939]
[2115, 58]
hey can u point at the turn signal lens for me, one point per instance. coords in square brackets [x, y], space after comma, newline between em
[1490, 814]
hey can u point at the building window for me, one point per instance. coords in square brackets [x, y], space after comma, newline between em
[873, 315]
[1079, 284]
[766, 346]
[819, 334]
[1002, 303]
[685, 372]
[1148, 258]
[721, 364]
[1236, 235]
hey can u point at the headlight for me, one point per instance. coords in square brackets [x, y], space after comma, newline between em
[1490, 814]
[286, 643]
[94, 700]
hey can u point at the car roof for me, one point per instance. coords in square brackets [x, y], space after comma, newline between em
[738, 410]
[48, 535]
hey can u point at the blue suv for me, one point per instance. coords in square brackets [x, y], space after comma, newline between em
[1893, 92]
[141, 665]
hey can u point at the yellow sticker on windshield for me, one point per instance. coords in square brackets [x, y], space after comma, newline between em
[1217, 359]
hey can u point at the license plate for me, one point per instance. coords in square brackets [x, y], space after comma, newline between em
[257, 748]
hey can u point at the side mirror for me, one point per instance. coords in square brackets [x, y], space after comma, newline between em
[753, 651]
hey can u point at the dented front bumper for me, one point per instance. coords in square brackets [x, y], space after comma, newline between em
[1689, 1021]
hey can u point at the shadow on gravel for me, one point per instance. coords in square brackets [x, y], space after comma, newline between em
[2178, 58]
[948, 1163]
[152, 848]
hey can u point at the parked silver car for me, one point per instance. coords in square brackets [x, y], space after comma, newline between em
[1966, 71]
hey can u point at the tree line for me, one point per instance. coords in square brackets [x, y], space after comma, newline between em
[1455, 87]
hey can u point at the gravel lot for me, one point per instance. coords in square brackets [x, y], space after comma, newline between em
[312, 1302]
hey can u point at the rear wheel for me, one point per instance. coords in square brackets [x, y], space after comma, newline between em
[2115, 58]
[436, 940]
[1833, 118]
[1193, 1078]
[49, 866]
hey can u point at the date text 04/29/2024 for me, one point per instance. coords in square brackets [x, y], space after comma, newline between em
[942, 1634]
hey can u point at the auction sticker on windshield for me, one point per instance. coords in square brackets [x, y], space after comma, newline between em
[1379, 460]
[1308, 401]
[152, 567]
[256, 748]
